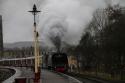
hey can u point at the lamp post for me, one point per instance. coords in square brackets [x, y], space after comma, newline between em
[36, 47]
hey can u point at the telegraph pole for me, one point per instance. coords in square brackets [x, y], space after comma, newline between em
[36, 46]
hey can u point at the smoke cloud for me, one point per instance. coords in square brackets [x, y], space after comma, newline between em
[75, 14]
[65, 18]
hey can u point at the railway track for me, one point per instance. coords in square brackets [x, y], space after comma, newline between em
[86, 79]
[90, 79]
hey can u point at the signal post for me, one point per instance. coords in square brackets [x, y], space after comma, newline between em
[36, 47]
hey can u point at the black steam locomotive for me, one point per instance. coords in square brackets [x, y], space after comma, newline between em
[58, 62]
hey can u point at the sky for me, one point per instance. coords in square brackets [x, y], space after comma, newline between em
[70, 15]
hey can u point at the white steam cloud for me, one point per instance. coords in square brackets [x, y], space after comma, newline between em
[74, 13]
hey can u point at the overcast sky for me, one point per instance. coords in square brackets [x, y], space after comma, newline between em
[72, 15]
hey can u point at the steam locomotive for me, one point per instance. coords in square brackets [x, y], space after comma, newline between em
[58, 62]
